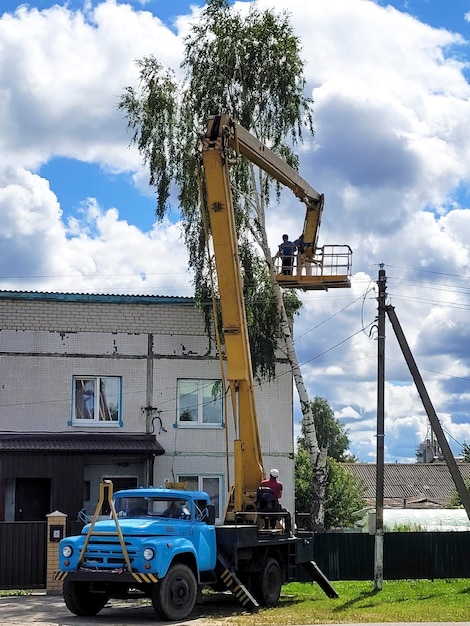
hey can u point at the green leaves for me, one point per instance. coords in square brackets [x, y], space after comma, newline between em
[151, 113]
[250, 67]
[331, 433]
[466, 452]
[343, 495]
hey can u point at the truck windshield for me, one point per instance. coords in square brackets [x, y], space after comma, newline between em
[135, 506]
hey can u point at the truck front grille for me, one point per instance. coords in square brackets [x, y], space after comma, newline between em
[107, 554]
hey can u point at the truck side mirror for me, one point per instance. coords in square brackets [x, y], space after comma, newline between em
[210, 517]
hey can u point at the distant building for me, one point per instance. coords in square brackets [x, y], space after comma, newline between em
[431, 520]
[429, 451]
[409, 485]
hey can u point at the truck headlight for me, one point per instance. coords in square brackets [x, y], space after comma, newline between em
[148, 554]
[67, 551]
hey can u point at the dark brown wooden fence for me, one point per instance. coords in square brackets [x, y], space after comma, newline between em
[22, 555]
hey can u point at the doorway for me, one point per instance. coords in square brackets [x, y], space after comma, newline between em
[32, 499]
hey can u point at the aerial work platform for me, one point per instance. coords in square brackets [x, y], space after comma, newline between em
[330, 268]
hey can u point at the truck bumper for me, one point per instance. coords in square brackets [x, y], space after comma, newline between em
[107, 577]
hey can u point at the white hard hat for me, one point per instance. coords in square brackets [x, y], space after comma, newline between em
[274, 472]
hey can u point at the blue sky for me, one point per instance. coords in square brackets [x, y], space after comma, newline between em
[390, 83]
[449, 15]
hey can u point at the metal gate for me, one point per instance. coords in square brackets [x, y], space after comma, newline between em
[23, 555]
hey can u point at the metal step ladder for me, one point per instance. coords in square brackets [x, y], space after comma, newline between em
[234, 584]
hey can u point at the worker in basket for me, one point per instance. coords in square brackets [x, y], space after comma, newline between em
[268, 496]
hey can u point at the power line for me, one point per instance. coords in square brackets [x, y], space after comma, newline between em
[425, 369]
[412, 269]
[96, 275]
[328, 319]
[448, 305]
[436, 286]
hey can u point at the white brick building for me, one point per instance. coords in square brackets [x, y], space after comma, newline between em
[121, 387]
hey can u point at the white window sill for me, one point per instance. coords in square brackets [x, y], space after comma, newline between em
[95, 424]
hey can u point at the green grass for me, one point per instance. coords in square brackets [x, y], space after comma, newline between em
[6, 593]
[398, 601]
[305, 603]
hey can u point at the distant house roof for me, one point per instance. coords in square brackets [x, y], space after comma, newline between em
[80, 442]
[418, 485]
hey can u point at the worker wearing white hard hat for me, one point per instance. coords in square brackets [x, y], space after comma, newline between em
[274, 487]
[273, 483]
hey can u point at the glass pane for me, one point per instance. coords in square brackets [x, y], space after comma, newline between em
[211, 486]
[211, 405]
[84, 399]
[187, 400]
[110, 394]
[132, 507]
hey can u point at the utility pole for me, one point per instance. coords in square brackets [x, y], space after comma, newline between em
[379, 481]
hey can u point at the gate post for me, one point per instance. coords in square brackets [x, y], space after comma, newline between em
[56, 523]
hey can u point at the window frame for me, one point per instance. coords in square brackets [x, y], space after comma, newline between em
[95, 421]
[201, 401]
[220, 504]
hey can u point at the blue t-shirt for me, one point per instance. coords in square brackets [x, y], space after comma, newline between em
[287, 248]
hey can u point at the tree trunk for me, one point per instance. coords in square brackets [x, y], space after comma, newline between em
[320, 478]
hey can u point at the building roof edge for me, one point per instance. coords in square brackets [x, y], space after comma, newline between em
[42, 296]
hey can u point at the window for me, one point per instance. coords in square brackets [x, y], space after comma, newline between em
[97, 400]
[199, 402]
[212, 485]
[136, 506]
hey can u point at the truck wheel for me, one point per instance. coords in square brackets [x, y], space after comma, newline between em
[267, 583]
[80, 600]
[174, 597]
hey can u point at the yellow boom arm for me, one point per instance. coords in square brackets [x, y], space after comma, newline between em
[223, 135]
[247, 449]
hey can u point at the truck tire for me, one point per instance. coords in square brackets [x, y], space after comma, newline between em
[174, 597]
[267, 583]
[80, 600]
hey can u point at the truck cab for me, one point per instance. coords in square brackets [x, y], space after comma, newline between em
[152, 535]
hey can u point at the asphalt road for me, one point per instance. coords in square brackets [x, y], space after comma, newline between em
[49, 610]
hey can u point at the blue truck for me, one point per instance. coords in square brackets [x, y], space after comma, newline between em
[160, 543]
[163, 544]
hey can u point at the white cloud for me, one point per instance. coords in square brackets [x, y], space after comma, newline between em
[61, 74]
[31, 224]
[40, 252]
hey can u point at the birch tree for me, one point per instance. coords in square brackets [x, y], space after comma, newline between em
[250, 67]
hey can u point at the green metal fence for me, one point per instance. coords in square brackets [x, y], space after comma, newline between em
[413, 555]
